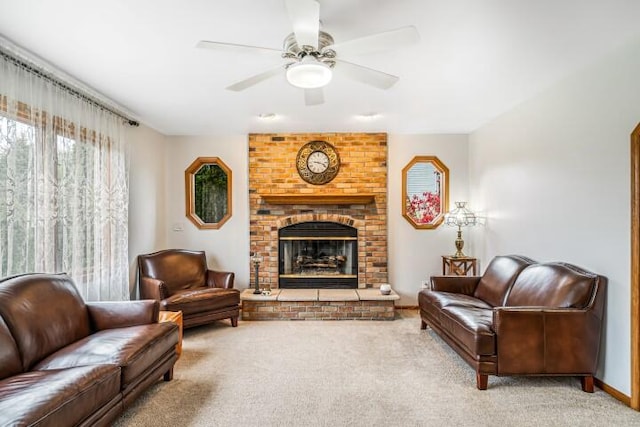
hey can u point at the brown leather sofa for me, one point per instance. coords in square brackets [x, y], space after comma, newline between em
[180, 280]
[64, 362]
[520, 318]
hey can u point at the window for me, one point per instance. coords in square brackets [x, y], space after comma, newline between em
[17, 158]
[63, 185]
[208, 188]
[425, 192]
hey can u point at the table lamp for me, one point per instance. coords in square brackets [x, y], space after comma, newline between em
[256, 259]
[460, 217]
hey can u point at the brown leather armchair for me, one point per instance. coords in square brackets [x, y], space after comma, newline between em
[180, 280]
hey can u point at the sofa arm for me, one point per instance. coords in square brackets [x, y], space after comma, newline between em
[544, 340]
[220, 279]
[121, 314]
[455, 284]
[152, 289]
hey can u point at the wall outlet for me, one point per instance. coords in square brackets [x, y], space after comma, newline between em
[424, 284]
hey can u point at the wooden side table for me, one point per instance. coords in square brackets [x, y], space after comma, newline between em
[173, 316]
[461, 266]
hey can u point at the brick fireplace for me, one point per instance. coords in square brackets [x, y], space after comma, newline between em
[356, 197]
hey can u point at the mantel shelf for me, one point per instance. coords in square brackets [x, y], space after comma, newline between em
[319, 199]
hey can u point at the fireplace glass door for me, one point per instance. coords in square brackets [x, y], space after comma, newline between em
[318, 255]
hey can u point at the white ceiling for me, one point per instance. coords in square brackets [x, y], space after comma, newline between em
[476, 59]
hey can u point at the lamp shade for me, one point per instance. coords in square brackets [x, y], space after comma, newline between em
[309, 73]
[461, 216]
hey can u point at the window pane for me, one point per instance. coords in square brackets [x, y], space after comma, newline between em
[17, 193]
[210, 193]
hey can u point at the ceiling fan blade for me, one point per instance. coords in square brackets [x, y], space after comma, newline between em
[313, 96]
[305, 19]
[366, 75]
[253, 80]
[386, 40]
[236, 48]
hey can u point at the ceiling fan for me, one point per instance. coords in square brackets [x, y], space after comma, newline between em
[312, 55]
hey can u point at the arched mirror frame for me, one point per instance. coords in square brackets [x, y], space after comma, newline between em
[444, 191]
[189, 178]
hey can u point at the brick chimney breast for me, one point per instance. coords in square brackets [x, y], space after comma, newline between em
[363, 170]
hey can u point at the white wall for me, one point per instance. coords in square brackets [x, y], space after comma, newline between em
[414, 254]
[553, 177]
[227, 248]
[147, 223]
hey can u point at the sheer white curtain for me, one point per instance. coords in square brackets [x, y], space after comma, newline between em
[63, 185]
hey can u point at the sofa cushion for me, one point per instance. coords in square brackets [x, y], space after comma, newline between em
[61, 397]
[552, 285]
[499, 276]
[44, 312]
[10, 363]
[134, 349]
[200, 300]
[471, 328]
[444, 299]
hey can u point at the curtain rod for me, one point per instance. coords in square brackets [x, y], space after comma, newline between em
[65, 86]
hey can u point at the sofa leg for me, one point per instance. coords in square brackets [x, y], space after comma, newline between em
[482, 380]
[587, 383]
[168, 376]
[423, 324]
[234, 321]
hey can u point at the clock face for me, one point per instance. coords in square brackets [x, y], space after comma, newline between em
[318, 162]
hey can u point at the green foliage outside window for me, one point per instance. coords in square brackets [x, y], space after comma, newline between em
[210, 193]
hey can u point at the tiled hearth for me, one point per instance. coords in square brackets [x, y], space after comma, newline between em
[318, 304]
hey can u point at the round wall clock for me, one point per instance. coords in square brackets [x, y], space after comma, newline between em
[318, 162]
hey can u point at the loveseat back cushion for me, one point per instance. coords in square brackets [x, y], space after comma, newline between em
[498, 278]
[555, 285]
[10, 363]
[44, 312]
[179, 269]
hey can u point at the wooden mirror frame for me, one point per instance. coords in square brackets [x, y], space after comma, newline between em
[189, 178]
[443, 190]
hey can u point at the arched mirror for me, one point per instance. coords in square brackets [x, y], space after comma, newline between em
[208, 190]
[425, 192]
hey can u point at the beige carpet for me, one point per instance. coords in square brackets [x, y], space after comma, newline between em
[352, 373]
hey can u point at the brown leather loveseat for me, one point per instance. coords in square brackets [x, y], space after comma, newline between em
[180, 281]
[520, 318]
[64, 362]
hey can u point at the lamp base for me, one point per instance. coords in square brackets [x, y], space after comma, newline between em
[459, 245]
[257, 277]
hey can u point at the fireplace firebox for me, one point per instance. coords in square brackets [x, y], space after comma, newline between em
[318, 255]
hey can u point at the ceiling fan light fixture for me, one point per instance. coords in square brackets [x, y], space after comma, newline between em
[309, 73]
[368, 117]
